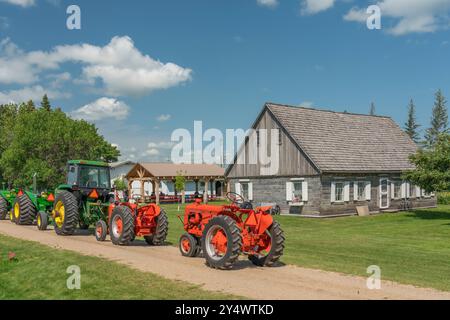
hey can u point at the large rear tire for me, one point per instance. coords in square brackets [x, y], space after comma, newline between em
[65, 213]
[221, 242]
[24, 210]
[3, 208]
[42, 220]
[275, 251]
[162, 228]
[121, 226]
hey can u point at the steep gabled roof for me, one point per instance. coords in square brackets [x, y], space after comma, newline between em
[346, 142]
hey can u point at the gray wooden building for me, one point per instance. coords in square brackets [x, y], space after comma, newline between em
[330, 163]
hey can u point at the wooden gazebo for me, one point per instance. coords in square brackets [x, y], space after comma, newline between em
[154, 173]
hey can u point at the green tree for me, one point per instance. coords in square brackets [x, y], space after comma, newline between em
[45, 103]
[411, 125]
[120, 185]
[43, 141]
[180, 181]
[372, 110]
[439, 120]
[432, 171]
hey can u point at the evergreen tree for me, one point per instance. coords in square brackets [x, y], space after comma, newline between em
[372, 109]
[45, 104]
[30, 105]
[439, 120]
[411, 125]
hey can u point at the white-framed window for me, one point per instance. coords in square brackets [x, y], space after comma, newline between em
[340, 191]
[245, 189]
[406, 190]
[297, 191]
[396, 189]
[361, 190]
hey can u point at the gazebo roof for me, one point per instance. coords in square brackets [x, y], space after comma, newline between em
[170, 171]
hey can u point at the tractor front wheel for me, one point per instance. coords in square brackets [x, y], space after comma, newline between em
[3, 208]
[65, 213]
[271, 247]
[189, 246]
[42, 220]
[221, 242]
[101, 230]
[121, 226]
[162, 228]
[24, 210]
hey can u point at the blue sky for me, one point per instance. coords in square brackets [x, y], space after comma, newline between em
[219, 61]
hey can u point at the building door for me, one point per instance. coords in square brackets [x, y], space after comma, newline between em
[384, 193]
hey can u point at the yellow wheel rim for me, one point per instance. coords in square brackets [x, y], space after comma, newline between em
[59, 214]
[39, 220]
[11, 215]
[16, 211]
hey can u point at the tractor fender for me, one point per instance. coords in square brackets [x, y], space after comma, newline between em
[260, 221]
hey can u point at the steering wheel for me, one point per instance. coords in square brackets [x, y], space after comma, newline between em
[235, 198]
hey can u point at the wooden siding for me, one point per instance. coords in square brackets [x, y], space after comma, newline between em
[292, 162]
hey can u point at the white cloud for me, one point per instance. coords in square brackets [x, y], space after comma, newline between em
[34, 93]
[268, 3]
[306, 104]
[120, 66]
[57, 80]
[316, 6]
[101, 109]
[164, 117]
[158, 150]
[21, 3]
[411, 16]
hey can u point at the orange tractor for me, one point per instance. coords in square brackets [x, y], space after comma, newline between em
[222, 233]
[129, 220]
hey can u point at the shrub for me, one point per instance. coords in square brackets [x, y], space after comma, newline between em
[444, 198]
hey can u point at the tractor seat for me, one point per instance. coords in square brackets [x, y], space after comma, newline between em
[246, 205]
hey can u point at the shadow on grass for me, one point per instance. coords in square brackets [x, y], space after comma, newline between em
[429, 215]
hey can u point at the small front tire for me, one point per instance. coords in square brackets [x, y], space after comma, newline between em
[42, 220]
[101, 230]
[188, 246]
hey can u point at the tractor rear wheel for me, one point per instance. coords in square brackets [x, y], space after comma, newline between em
[24, 210]
[189, 246]
[221, 242]
[121, 226]
[42, 220]
[162, 228]
[3, 208]
[65, 213]
[101, 230]
[272, 247]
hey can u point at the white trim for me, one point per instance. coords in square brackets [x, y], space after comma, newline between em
[244, 180]
[386, 194]
[346, 191]
[304, 191]
[368, 191]
[418, 192]
[333, 192]
[237, 188]
[289, 190]
[250, 191]
[297, 179]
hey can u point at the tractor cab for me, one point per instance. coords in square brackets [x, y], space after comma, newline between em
[90, 178]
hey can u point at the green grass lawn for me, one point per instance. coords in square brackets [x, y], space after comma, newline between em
[40, 273]
[411, 247]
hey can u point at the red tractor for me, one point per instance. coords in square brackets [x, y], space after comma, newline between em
[127, 221]
[222, 233]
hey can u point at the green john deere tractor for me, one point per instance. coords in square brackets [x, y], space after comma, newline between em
[83, 200]
[27, 204]
[7, 198]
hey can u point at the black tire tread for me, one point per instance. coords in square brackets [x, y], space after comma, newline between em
[277, 248]
[27, 209]
[3, 208]
[236, 247]
[71, 213]
[128, 226]
[162, 229]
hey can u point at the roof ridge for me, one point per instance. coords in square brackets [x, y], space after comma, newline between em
[325, 110]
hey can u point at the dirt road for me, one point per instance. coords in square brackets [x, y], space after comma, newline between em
[284, 282]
